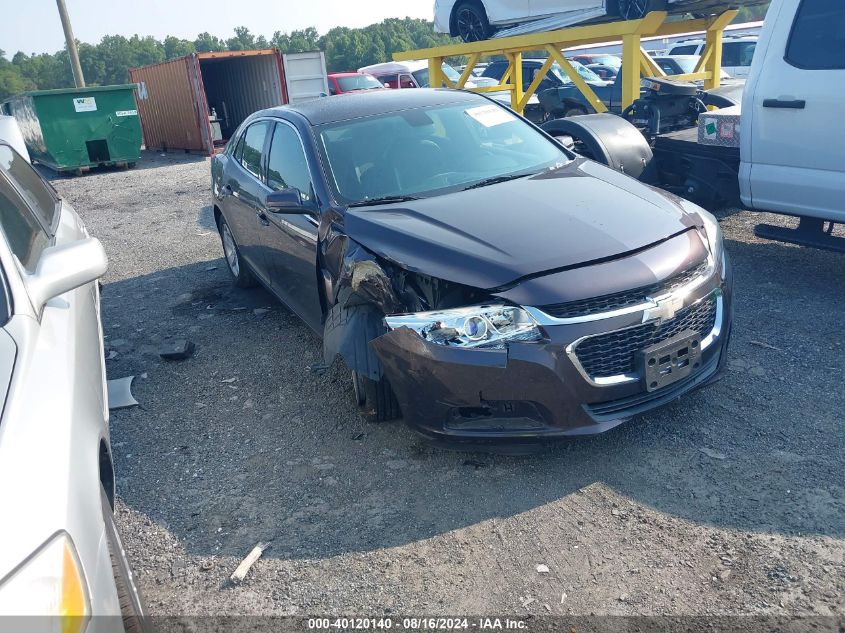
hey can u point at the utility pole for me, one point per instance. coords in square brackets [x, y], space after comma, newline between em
[78, 79]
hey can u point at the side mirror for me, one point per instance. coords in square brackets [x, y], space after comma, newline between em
[284, 201]
[64, 268]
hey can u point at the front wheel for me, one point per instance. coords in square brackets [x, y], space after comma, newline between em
[471, 22]
[375, 399]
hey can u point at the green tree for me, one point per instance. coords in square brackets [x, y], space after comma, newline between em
[175, 47]
[243, 40]
[206, 42]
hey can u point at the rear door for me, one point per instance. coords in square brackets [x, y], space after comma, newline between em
[242, 195]
[290, 240]
[793, 156]
[305, 76]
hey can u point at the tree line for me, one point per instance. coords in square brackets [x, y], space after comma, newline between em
[109, 61]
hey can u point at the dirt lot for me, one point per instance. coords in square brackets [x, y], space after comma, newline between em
[730, 501]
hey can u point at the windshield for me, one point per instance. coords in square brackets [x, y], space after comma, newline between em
[422, 78]
[430, 151]
[586, 73]
[358, 82]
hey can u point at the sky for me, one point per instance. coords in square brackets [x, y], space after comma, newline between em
[33, 26]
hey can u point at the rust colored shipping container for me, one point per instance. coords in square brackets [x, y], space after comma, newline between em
[195, 103]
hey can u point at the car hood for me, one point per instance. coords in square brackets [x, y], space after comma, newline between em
[494, 236]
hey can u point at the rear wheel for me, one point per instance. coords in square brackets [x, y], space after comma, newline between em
[132, 608]
[375, 399]
[471, 22]
[242, 274]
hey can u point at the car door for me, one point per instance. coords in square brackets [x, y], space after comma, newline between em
[291, 239]
[242, 196]
[792, 153]
[504, 11]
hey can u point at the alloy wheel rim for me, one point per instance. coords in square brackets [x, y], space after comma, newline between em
[231, 251]
[469, 26]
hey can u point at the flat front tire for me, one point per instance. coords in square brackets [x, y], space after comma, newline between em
[375, 399]
[242, 275]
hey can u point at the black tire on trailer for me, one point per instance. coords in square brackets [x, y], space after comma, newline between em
[241, 273]
[132, 607]
[375, 399]
[471, 23]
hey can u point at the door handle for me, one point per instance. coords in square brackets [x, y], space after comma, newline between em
[793, 104]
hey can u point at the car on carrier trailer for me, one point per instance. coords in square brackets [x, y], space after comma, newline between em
[781, 150]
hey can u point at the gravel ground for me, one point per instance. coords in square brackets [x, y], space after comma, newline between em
[728, 502]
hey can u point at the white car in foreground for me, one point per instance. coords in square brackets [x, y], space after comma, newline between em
[474, 20]
[60, 555]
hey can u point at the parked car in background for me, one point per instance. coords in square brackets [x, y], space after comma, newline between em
[555, 78]
[477, 278]
[61, 554]
[474, 20]
[737, 52]
[604, 59]
[606, 73]
[683, 65]
[340, 83]
[414, 74]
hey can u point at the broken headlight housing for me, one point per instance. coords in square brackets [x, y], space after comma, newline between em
[714, 238]
[486, 326]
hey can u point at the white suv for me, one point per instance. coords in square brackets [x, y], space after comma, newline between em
[737, 52]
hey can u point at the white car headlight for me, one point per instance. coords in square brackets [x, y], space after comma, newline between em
[714, 237]
[50, 583]
[487, 326]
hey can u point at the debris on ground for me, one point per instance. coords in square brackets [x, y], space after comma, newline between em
[542, 569]
[120, 393]
[207, 565]
[180, 349]
[765, 345]
[713, 454]
[246, 564]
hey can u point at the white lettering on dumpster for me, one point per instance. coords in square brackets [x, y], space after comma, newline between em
[127, 113]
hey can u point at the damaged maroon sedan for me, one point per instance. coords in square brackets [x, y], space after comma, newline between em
[477, 278]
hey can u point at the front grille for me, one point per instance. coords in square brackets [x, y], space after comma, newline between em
[626, 299]
[615, 353]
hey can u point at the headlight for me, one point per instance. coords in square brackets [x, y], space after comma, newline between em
[714, 237]
[490, 326]
[50, 583]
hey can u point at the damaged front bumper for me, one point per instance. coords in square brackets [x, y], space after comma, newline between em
[582, 378]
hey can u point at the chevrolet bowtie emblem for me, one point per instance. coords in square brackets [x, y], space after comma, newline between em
[665, 309]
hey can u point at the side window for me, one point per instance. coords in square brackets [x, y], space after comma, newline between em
[40, 196]
[689, 49]
[817, 41]
[24, 234]
[287, 166]
[738, 53]
[251, 146]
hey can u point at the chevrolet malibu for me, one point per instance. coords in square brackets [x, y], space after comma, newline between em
[477, 278]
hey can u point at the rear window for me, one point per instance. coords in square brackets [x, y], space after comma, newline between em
[817, 41]
[358, 82]
[249, 151]
[688, 49]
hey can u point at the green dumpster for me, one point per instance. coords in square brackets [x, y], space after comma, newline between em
[75, 129]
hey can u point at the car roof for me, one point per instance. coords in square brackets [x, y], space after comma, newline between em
[412, 65]
[355, 105]
[349, 74]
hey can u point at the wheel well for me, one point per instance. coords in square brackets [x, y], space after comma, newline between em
[453, 24]
[217, 215]
[106, 471]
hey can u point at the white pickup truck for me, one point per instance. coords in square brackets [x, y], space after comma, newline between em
[787, 152]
